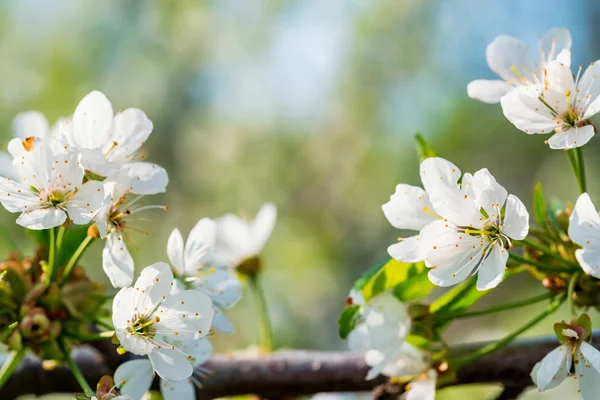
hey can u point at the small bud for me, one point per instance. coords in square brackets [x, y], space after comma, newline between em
[93, 231]
[121, 350]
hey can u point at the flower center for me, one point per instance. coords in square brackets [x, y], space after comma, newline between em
[143, 326]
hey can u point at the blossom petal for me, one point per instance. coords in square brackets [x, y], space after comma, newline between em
[435, 171]
[588, 378]
[222, 286]
[589, 259]
[233, 239]
[185, 315]
[93, 122]
[200, 242]
[43, 218]
[155, 281]
[584, 223]
[170, 363]
[555, 44]
[572, 137]
[405, 210]
[182, 390]
[552, 370]
[487, 91]
[147, 178]
[16, 197]
[199, 349]
[134, 378]
[490, 194]
[30, 123]
[560, 78]
[588, 87]
[262, 227]
[132, 129]
[7, 169]
[421, 389]
[117, 262]
[406, 250]
[492, 268]
[221, 322]
[86, 202]
[505, 54]
[175, 251]
[516, 219]
[126, 304]
[524, 110]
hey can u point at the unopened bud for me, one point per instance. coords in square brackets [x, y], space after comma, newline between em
[93, 231]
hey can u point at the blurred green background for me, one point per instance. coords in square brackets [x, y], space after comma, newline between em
[309, 104]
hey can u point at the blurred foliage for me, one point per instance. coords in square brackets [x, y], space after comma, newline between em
[310, 104]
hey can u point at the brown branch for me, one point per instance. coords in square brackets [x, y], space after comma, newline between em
[289, 373]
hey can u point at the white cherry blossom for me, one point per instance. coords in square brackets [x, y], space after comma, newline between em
[50, 187]
[113, 220]
[509, 58]
[195, 267]
[557, 366]
[134, 378]
[584, 229]
[422, 387]
[148, 320]
[473, 224]
[112, 142]
[563, 106]
[239, 240]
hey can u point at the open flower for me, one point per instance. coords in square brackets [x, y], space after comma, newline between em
[380, 334]
[240, 242]
[50, 187]
[149, 321]
[112, 221]
[584, 229]
[134, 378]
[473, 224]
[509, 58]
[110, 143]
[562, 105]
[575, 352]
[422, 387]
[195, 268]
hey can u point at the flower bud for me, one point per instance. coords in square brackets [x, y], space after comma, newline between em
[93, 231]
[35, 325]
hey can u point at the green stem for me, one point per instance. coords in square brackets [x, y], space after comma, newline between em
[504, 307]
[571, 292]
[10, 365]
[103, 324]
[77, 372]
[59, 237]
[546, 251]
[74, 258]
[51, 255]
[265, 333]
[462, 361]
[582, 180]
[539, 265]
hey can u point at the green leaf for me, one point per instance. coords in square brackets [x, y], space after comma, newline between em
[392, 274]
[423, 148]
[370, 273]
[348, 320]
[539, 206]
[470, 391]
[414, 288]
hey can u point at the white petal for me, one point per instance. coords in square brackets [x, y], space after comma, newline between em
[117, 262]
[262, 227]
[506, 53]
[591, 354]
[86, 202]
[406, 250]
[94, 160]
[175, 251]
[93, 122]
[584, 223]
[7, 169]
[490, 194]
[147, 178]
[222, 286]
[183, 390]
[185, 315]
[200, 242]
[572, 138]
[421, 389]
[588, 377]
[524, 110]
[30, 123]
[16, 197]
[42, 218]
[554, 44]
[405, 210]
[516, 219]
[124, 308]
[492, 268]
[380, 361]
[155, 281]
[221, 322]
[552, 370]
[592, 109]
[588, 86]
[487, 91]
[199, 349]
[560, 78]
[134, 378]
[234, 240]
[589, 259]
[437, 171]
[132, 129]
[171, 364]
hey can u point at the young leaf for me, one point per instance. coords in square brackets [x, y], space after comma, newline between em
[413, 288]
[348, 320]
[539, 206]
[423, 148]
[392, 274]
[370, 273]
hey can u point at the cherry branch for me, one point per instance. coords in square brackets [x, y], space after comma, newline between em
[288, 372]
